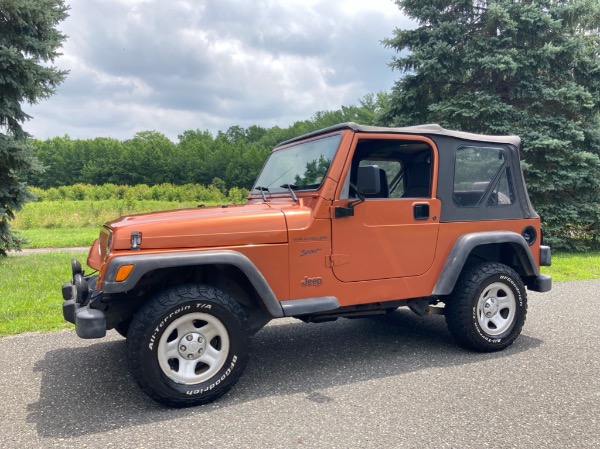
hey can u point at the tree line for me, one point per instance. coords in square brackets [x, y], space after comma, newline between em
[228, 159]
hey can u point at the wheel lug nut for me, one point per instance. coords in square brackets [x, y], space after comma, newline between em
[189, 338]
[200, 340]
[190, 356]
[182, 348]
[200, 351]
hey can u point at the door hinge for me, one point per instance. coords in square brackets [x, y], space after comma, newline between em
[335, 260]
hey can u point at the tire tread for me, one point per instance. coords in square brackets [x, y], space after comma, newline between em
[150, 312]
[459, 306]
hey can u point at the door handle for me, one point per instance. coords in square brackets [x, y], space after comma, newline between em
[421, 211]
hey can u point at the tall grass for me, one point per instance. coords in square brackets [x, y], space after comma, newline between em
[83, 205]
[159, 192]
[86, 213]
[71, 216]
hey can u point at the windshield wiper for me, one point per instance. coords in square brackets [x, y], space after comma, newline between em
[262, 191]
[291, 188]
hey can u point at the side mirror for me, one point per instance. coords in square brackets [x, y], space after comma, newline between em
[368, 180]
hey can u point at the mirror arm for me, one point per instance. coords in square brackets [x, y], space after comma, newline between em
[348, 211]
[353, 204]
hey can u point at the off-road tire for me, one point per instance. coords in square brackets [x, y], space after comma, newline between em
[492, 288]
[157, 345]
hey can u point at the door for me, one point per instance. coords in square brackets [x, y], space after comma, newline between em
[392, 233]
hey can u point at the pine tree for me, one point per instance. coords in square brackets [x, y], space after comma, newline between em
[29, 41]
[524, 67]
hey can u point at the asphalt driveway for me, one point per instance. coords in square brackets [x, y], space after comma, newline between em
[398, 381]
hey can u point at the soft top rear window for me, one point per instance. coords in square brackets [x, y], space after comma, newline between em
[474, 169]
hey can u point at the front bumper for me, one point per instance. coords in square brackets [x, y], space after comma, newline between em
[79, 297]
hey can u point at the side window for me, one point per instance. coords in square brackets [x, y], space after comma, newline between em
[404, 168]
[389, 170]
[503, 193]
[474, 169]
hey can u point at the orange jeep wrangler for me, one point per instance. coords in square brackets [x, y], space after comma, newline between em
[347, 221]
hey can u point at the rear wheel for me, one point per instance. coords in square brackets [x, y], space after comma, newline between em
[487, 309]
[188, 345]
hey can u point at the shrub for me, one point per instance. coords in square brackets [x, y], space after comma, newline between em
[214, 193]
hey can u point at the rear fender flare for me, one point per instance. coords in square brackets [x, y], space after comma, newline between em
[463, 248]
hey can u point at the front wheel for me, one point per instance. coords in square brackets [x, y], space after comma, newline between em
[188, 345]
[487, 309]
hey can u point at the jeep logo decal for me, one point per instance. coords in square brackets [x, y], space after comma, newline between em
[311, 282]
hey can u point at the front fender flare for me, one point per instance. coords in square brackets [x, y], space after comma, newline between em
[465, 244]
[145, 263]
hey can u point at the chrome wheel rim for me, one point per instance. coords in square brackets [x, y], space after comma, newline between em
[496, 309]
[193, 348]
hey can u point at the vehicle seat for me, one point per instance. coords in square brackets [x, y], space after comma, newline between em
[385, 189]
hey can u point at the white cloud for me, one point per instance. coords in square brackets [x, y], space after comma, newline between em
[176, 65]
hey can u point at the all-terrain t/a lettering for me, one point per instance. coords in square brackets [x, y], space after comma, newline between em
[162, 323]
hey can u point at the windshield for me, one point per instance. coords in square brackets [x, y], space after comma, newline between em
[301, 167]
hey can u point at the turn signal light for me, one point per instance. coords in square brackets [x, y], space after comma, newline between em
[123, 272]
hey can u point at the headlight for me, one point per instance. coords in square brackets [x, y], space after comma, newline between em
[104, 242]
[108, 243]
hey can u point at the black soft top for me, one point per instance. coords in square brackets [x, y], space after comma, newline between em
[430, 129]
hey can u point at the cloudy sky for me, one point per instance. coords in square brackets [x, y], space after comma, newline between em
[173, 65]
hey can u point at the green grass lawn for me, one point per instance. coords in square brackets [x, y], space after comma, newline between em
[60, 237]
[30, 291]
[574, 266]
